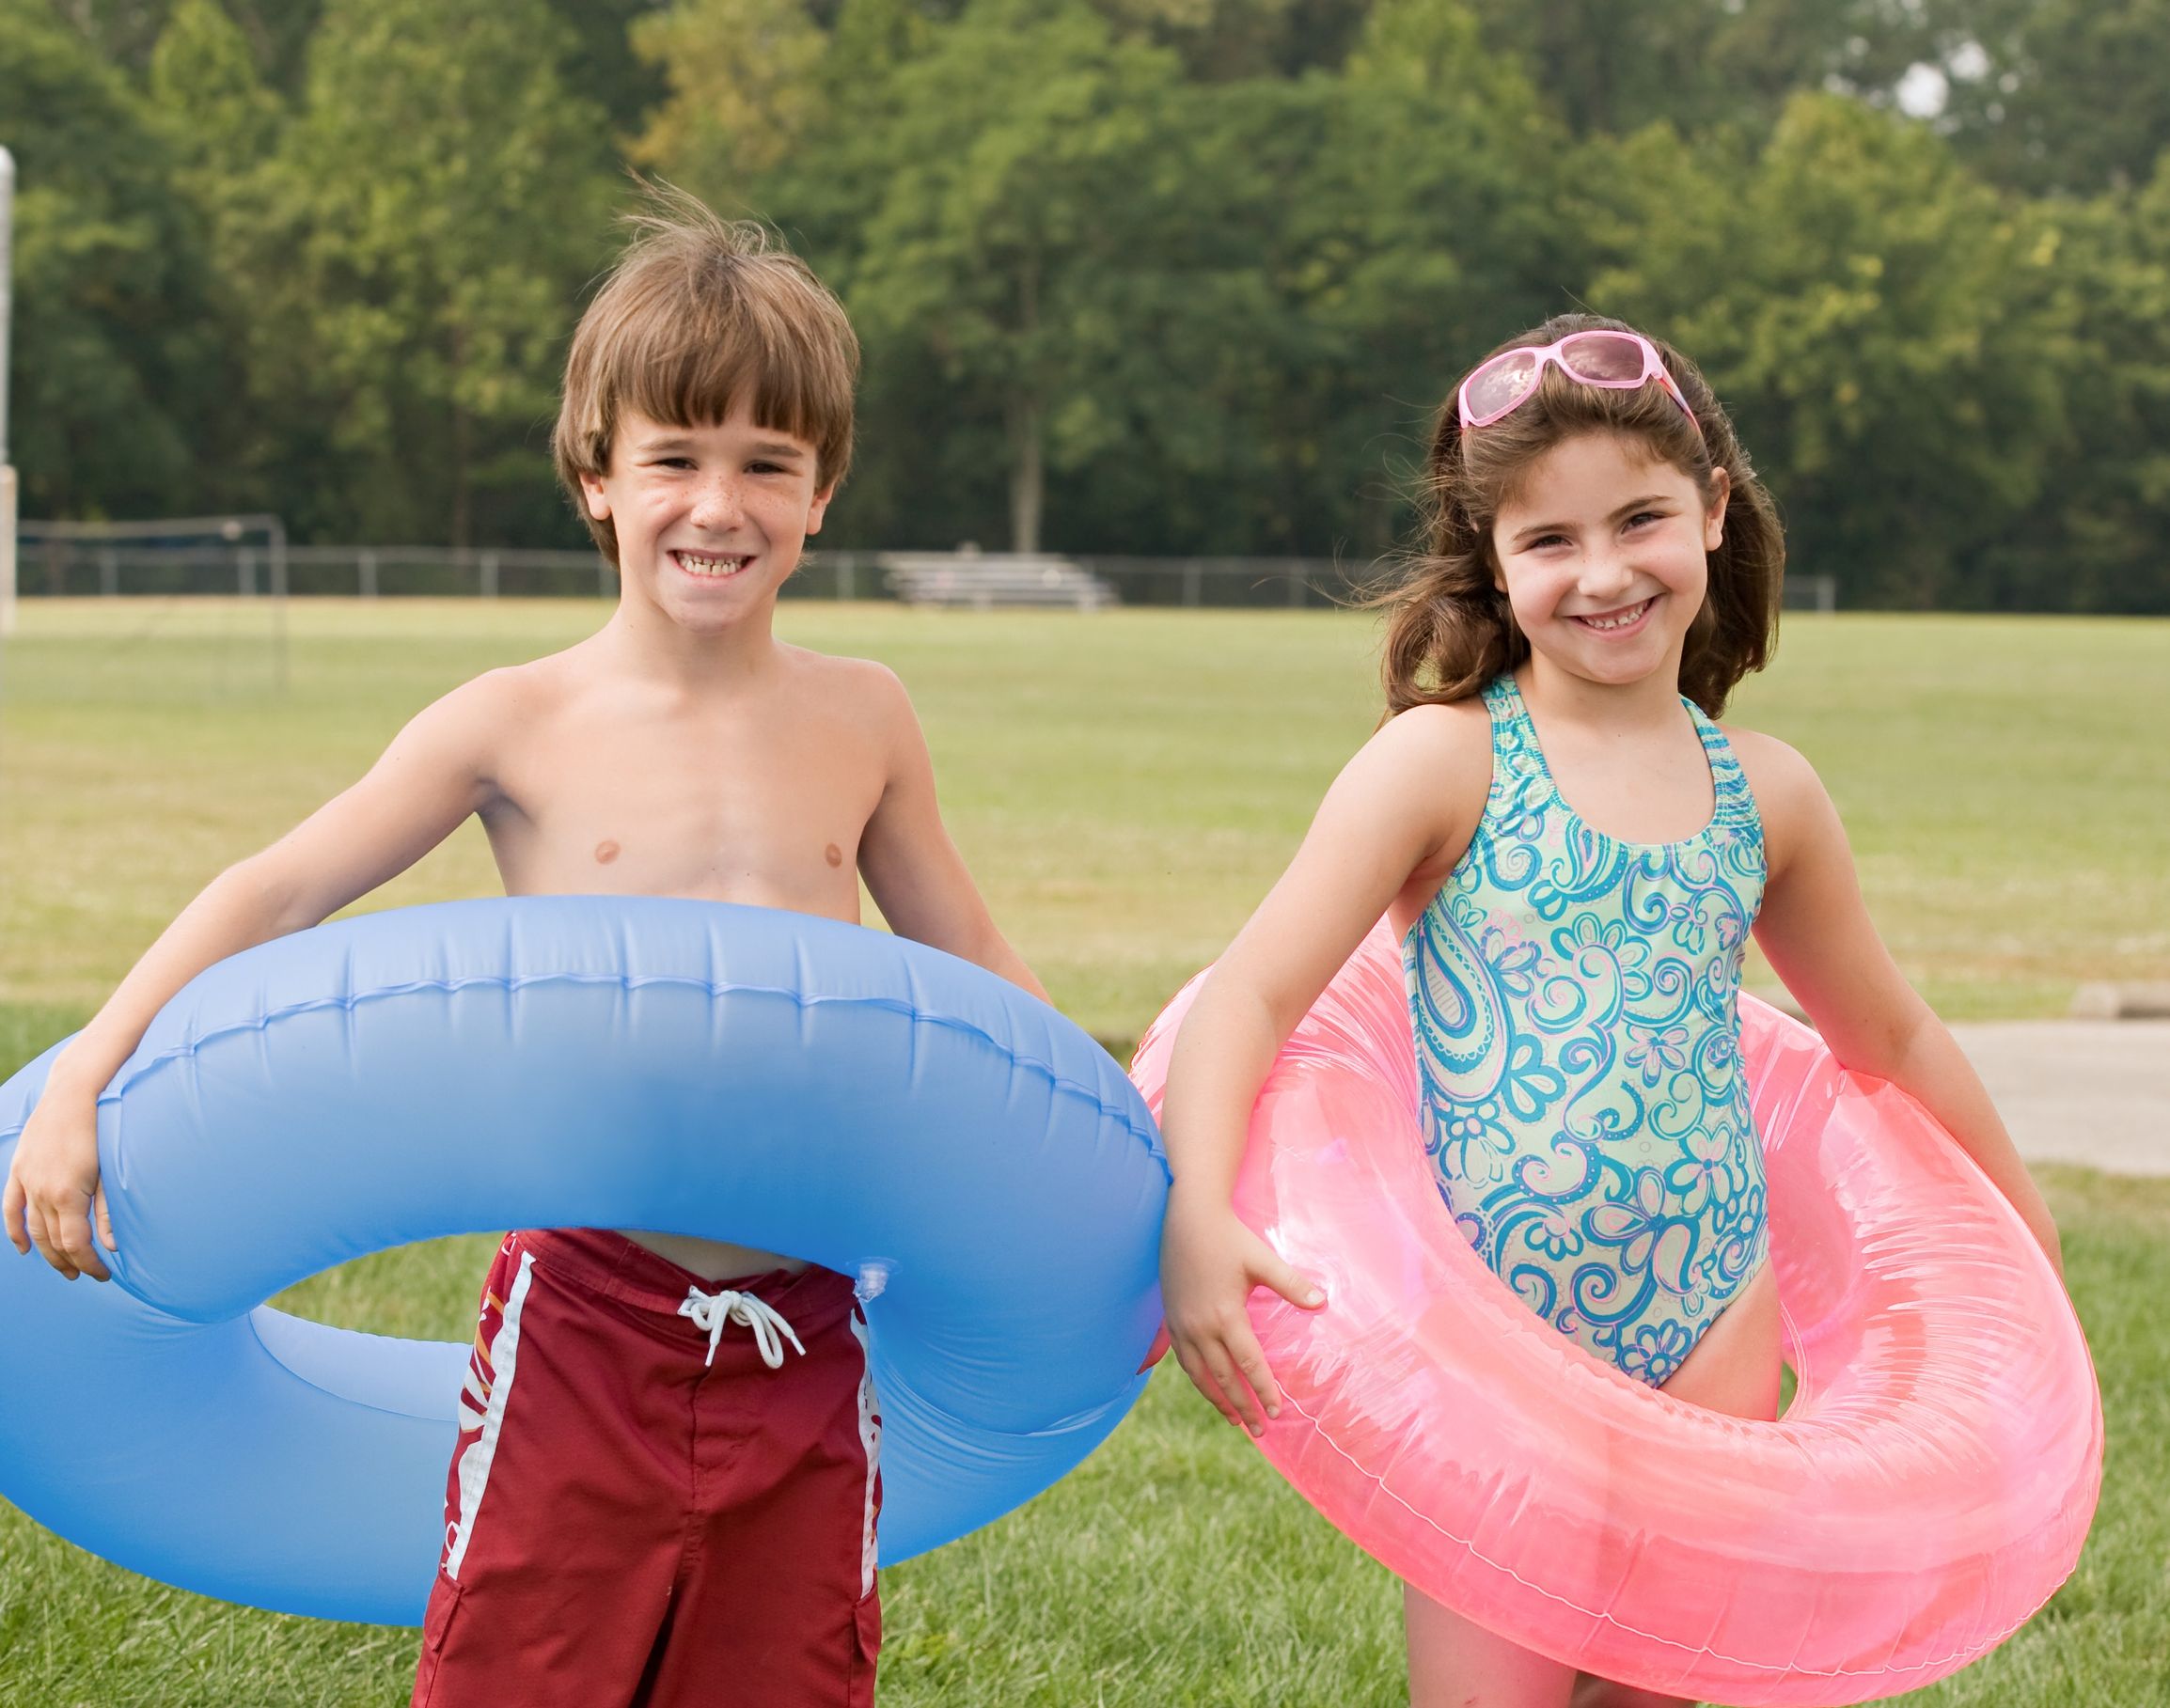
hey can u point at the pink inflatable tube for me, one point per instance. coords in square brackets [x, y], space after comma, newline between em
[1928, 1488]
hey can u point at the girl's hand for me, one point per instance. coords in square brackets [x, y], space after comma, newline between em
[52, 1185]
[1209, 1262]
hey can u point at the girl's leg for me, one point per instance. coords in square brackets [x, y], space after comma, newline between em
[1734, 1370]
[1456, 1664]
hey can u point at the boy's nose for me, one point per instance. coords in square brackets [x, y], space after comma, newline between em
[716, 504]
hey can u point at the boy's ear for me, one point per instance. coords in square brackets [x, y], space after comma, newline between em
[819, 508]
[598, 500]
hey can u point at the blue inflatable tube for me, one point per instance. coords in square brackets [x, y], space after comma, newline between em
[866, 1102]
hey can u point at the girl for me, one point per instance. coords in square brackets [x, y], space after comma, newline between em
[1548, 807]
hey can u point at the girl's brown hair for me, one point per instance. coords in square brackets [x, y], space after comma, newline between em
[1449, 628]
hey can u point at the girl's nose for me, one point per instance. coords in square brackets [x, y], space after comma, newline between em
[1605, 571]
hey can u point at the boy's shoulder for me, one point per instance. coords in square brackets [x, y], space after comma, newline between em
[581, 683]
[861, 688]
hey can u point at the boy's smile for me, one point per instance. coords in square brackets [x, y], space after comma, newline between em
[711, 519]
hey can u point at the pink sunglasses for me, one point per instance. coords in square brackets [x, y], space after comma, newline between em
[1616, 361]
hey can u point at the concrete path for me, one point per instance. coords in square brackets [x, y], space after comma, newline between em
[2090, 1091]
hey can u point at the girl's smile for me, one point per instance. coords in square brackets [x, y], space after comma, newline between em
[1625, 621]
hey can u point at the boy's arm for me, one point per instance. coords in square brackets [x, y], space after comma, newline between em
[1814, 930]
[912, 869]
[436, 772]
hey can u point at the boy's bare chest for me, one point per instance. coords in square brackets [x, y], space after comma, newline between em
[771, 819]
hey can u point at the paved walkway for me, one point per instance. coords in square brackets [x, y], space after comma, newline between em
[2091, 1091]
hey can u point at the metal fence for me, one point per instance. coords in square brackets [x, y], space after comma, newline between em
[66, 568]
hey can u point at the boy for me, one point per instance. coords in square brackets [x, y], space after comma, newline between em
[682, 1494]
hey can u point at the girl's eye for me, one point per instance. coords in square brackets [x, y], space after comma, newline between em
[1640, 517]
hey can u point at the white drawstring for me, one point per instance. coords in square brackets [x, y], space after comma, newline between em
[711, 1312]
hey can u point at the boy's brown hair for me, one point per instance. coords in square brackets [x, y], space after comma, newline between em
[1450, 628]
[699, 314]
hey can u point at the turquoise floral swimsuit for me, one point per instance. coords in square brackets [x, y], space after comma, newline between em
[1578, 1050]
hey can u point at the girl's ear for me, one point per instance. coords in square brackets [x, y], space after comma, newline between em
[1714, 516]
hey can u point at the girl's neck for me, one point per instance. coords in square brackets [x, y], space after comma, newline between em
[1561, 696]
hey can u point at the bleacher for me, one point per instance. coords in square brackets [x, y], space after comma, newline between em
[984, 580]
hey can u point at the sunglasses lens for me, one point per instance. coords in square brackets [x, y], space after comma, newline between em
[1606, 358]
[1501, 384]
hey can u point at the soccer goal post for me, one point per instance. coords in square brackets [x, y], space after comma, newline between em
[7, 462]
[244, 557]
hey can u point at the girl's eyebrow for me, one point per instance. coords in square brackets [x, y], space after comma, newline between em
[1537, 530]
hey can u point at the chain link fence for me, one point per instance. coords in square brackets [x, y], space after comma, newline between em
[83, 568]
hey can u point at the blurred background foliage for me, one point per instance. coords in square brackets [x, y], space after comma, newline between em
[1152, 276]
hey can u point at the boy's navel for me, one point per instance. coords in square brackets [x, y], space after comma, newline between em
[604, 852]
[833, 854]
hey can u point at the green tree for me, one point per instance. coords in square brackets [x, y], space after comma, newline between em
[743, 90]
[222, 126]
[2059, 94]
[1611, 67]
[2097, 536]
[114, 365]
[1867, 311]
[1429, 228]
[443, 195]
[218, 118]
[1009, 237]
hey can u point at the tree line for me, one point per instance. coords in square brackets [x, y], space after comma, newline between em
[1133, 276]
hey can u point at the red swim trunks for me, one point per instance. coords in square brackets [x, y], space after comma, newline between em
[628, 1522]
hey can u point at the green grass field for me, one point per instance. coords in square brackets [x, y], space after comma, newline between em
[1124, 787]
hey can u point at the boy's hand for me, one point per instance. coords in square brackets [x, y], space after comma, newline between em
[1209, 1262]
[52, 1185]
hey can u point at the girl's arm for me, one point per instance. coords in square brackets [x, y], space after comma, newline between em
[1396, 821]
[1815, 931]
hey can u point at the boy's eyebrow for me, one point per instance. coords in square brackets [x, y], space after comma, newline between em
[678, 442]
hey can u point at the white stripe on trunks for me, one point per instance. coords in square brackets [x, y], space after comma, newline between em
[475, 1462]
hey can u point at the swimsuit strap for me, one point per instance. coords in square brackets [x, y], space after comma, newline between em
[1735, 801]
[1522, 779]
